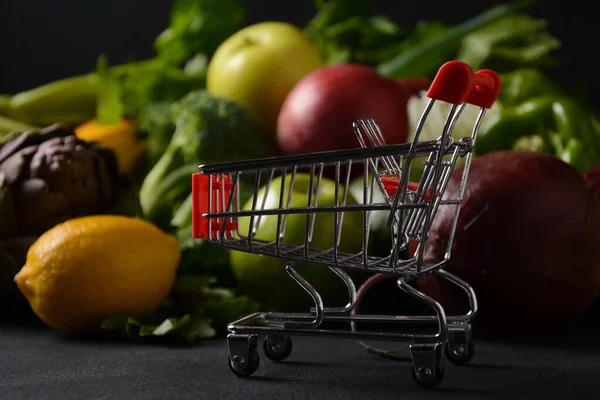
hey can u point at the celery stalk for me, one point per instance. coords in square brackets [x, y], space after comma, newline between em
[70, 100]
[8, 125]
[4, 104]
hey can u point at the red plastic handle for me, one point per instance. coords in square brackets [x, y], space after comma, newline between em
[485, 89]
[200, 204]
[456, 83]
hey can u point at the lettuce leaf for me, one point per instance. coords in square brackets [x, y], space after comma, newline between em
[198, 27]
[195, 310]
[345, 31]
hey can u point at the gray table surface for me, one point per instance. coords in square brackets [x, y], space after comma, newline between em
[36, 363]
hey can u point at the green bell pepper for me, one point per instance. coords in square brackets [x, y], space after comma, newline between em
[554, 124]
[526, 83]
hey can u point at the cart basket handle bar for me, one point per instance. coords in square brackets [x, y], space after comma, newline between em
[327, 157]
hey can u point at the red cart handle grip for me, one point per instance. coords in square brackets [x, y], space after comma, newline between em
[456, 83]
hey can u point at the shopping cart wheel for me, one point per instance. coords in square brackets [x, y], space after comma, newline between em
[277, 347]
[457, 354]
[243, 355]
[427, 369]
[424, 378]
[248, 368]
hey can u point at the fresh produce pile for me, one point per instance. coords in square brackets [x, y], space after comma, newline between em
[95, 170]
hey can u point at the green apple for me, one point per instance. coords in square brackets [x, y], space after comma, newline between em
[259, 65]
[264, 278]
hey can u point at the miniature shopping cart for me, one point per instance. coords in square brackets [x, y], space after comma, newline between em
[410, 203]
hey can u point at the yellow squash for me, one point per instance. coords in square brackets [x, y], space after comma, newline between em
[119, 137]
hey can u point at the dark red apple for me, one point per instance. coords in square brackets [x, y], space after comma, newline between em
[318, 113]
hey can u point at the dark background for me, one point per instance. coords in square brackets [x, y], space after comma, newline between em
[43, 40]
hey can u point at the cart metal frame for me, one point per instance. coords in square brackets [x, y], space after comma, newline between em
[411, 209]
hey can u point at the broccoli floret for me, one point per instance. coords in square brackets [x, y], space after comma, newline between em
[212, 130]
[207, 130]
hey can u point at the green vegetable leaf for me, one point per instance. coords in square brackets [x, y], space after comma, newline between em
[126, 90]
[110, 108]
[5, 104]
[182, 217]
[200, 257]
[195, 310]
[516, 41]
[226, 310]
[345, 31]
[426, 57]
[197, 328]
[525, 83]
[207, 130]
[9, 125]
[155, 124]
[154, 81]
[198, 27]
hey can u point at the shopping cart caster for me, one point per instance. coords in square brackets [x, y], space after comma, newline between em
[427, 369]
[277, 347]
[243, 355]
[457, 354]
[459, 348]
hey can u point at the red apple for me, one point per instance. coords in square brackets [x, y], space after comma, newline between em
[318, 113]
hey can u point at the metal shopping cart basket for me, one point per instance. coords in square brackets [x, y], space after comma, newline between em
[410, 208]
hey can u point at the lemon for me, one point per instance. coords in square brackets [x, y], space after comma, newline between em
[86, 269]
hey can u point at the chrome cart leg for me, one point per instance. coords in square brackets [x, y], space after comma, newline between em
[243, 356]
[427, 368]
[319, 307]
[350, 287]
[460, 348]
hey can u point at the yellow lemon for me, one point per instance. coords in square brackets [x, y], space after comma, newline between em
[86, 269]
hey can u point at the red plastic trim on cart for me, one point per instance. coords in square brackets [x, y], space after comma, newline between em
[391, 184]
[221, 192]
[456, 83]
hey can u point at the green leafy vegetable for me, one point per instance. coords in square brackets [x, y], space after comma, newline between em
[555, 124]
[4, 103]
[198, 27]
[71, 101]
[110, 107]
[525, 83]
[516, 41]
[199, 257]
[344, 31]
[155, 124]
[207, 130]
[130, 88]
[426, 57]
[349, 31]
[8, 125]
[195, 310]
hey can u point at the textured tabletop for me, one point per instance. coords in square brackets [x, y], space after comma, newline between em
[38, 364]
